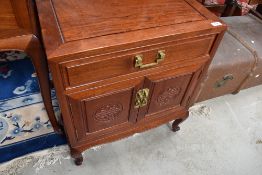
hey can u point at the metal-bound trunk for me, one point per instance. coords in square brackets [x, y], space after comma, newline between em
[238, 62]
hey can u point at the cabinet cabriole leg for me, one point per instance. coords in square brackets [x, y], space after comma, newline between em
[175, 124]
[79, 160]
[77, 155]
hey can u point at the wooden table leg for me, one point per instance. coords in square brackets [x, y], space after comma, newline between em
[35, 52]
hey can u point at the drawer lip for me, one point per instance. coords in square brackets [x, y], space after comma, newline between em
[120, 50]
[124, 63]
[78, 93]
[196, 62]
[68, 50]
[142, 46]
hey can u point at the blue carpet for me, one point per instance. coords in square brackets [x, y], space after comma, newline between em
[22, 148]
[24, 124]
[17, 79]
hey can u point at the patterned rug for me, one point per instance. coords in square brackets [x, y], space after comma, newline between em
[24, 124]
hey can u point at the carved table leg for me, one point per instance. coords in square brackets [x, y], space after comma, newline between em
[35, 51]
[175, 124]
[77, 155]
[31, 45]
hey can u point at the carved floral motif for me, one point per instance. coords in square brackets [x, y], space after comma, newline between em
[108, 113]
[168, 95]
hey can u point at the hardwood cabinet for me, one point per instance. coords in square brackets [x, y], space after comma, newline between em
[121, 67]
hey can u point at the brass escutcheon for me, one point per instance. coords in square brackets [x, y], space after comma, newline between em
[141, 98]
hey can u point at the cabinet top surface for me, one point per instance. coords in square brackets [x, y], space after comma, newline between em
[91, 19]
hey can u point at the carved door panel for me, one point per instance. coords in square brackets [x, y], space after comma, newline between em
[166, 91]
[107, 111]
[104, 109]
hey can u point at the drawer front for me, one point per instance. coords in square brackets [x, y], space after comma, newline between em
[92, 69]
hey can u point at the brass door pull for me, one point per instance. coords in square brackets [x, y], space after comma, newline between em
[141, 98]
[139, 60]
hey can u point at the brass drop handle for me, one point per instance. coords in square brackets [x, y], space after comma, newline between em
[139, 60]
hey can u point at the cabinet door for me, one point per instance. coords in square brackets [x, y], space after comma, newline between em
[104, 109]
[108, 110]
[168, 89]
[167, 93]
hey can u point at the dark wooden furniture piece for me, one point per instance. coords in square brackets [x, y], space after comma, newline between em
[217, 9]
[232, 9]
[18, 31]
[229, 8]
[121, 67]
[258, 11]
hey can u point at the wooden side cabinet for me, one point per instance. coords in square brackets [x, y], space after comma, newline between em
[124, 67]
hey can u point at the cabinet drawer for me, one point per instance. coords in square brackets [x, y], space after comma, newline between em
[97, 68]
